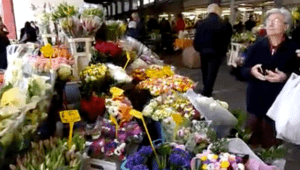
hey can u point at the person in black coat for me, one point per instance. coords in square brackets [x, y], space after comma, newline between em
[4, 42]
[28, 34]
[211, 40]
[269, 63]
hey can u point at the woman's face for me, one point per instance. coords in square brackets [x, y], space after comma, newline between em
[275, 24]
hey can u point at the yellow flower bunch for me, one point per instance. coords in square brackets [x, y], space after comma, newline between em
[154, 72]
[98, 71]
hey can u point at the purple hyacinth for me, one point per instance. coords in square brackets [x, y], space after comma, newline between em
[140, 167]
[145, 150]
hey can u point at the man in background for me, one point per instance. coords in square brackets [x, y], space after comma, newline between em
[211, 40]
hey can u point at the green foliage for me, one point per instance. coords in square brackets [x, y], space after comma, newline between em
[220, 145]
[272, 153]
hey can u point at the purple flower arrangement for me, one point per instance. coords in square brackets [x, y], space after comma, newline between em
[110, 143]
[170, 158]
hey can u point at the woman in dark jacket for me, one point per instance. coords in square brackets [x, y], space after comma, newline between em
[28, 34]
[269, 63]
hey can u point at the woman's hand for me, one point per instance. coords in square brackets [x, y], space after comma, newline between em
[298, 52]
[275, 77]
[256, 71]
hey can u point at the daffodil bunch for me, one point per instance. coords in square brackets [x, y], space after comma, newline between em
[94, 79]
[93, 72]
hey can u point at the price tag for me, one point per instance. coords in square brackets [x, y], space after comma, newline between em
[70, 116]
[136, 114]
[115, 91]
[128, 59]
[47, 50]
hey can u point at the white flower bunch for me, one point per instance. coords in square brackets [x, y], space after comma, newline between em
[118, 74]
[112, 107]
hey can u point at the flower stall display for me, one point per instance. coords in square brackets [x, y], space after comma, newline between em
[52, 153]
[210, 161]
[170, 103]
[159, 86]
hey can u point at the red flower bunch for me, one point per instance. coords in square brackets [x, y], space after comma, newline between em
[94, 107]
[108, 48]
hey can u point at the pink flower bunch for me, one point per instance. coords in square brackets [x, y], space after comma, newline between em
[43, 64]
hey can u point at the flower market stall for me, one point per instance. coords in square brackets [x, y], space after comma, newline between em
[134, 111]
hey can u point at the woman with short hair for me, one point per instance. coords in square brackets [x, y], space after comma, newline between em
[270, 62]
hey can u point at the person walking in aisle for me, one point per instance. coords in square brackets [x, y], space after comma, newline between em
[269, 63]
[211, 41]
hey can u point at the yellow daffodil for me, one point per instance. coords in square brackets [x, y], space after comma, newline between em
[225, 164]
[203, 158]
[204, 166]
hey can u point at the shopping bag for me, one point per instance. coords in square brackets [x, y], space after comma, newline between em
[191, 58]
[285, 111]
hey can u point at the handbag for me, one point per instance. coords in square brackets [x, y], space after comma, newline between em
[191, 58]
[285, 111]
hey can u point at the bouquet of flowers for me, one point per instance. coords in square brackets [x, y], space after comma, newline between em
[94, 79]
[169, 158]
[153, 71]
[210, 161]
[114, 140]
[119, 107]
[114, 31]
[64, 10]
[170, 103]
[118, 74]
[159, 86]
[52, 153]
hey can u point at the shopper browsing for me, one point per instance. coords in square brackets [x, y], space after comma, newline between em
[269, 63]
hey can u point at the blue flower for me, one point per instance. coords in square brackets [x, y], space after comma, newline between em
[134, 160]
[145, 150]
[179, 160]
[140, 167]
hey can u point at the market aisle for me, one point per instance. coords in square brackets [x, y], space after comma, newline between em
[226, 88]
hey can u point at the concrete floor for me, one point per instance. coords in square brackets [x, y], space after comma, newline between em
[227, 87]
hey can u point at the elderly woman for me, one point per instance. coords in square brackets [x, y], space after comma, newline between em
[269, 63]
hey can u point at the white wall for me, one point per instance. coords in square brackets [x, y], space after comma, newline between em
[23, 12]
